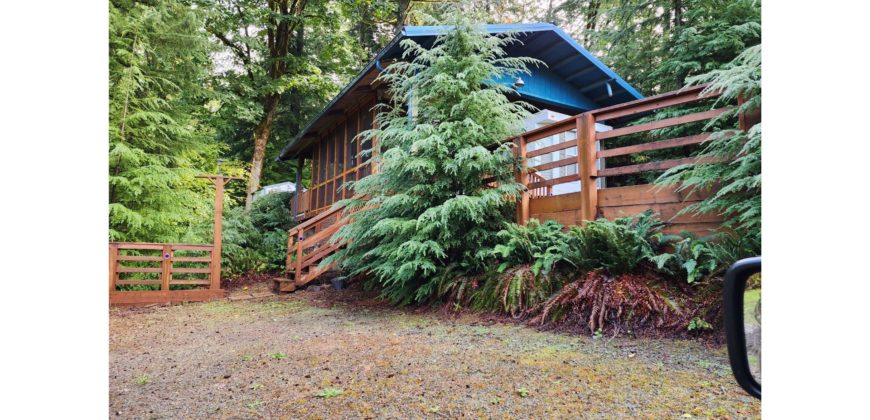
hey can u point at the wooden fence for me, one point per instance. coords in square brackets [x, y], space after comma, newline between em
[586, 165]
[154, 264]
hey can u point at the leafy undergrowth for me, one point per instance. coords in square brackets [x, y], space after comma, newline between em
[248, 280]
[349, 355]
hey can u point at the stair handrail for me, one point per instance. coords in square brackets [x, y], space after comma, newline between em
[314, 220]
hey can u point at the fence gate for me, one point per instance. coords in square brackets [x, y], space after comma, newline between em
[142, 273]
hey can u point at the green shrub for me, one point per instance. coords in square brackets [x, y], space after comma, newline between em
[256, 241]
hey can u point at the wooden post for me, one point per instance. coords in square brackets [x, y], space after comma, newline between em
[300, 244]
[375, 168]
[300, 162]
[219, 181]
[113, 266]
[523, 178]
[747, 120]
[166, 267]
[215, 276]
[586, 165]
[291, 240]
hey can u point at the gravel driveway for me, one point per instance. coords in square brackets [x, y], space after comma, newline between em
[340, 354]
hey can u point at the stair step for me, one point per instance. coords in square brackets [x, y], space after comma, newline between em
[282, 284]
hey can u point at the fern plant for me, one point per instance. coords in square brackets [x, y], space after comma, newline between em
[691, 256]
[541, 245]
[524, 262]
[617, 246]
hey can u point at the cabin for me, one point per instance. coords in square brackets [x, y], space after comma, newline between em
[581, 146]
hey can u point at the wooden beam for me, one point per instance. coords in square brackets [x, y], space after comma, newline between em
[582, 72]
[587, 167]
[523, 208]
[562, 61]
[591, 86]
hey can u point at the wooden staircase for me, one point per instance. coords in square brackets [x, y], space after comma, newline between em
[308, 244]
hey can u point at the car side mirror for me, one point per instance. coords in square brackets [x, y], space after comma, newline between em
[743, 322]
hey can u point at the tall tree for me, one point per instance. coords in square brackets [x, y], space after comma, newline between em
[431, 205]
[277, 63]
[657, 44]
[158, 58]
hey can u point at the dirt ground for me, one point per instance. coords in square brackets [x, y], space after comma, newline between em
[342, 354]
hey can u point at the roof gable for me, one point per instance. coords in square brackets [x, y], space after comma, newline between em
[573, 81]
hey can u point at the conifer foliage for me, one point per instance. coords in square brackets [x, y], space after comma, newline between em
[157, 142]
[432, 209]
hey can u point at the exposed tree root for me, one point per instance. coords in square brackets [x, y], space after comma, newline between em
[630, 302]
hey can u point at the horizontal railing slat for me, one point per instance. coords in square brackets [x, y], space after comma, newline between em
[650, 166]
[140, 258]
[550, 149]
[202, 282]
[191, 259]
[132, 282]
[181, 247]
[139, 269]
[655, 145]
[652, 103]
[667, 122]
[175, 270]
[554, 181]
[556, 164]
[152, 245]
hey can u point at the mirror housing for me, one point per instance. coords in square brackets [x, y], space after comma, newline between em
[735, 283]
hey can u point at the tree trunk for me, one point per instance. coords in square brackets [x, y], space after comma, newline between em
[591, 19]
[678, 29]
[278, 42]
[261, 137]
[401, 14]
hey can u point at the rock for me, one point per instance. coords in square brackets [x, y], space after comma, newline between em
[314, 288]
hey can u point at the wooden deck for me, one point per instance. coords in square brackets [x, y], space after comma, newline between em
[593, 151]
[584, 158]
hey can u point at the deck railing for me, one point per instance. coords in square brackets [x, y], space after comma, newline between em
[591, 147]
[154, 264]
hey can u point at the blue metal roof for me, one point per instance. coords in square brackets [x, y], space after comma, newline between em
[573, 81]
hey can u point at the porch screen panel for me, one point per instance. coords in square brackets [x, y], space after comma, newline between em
[323, 161]
[330, 156]
[313, 189]
[338, 139]
[365, 146]
[351, 145]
